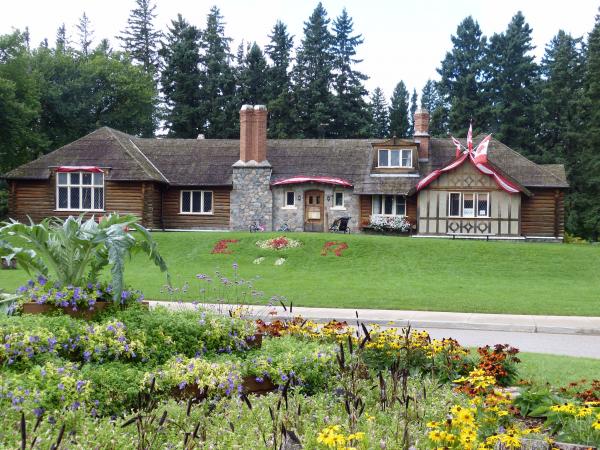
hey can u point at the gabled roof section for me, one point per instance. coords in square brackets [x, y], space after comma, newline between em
[395, 142]
[105, 148]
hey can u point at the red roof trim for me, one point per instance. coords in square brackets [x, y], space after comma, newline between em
[94, 169]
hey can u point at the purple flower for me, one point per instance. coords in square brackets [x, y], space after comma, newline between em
[42, 280]
[38, 411]
[80, 385]
[182, 385]
[22, 289]
[111, 328]
[259, 379]
[61, 386]
[86, 355]
[235, 266]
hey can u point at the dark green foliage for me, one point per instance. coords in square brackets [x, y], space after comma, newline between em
[351, 118]
[180, 79]
[115, 385]
[511, 80]
[140, 38]
[438, 114]
[413, 109]
[399, 121]
[313, 77]
[218, 110]
[461, 82]
[252, 81]
[281, 110]
[380, 126]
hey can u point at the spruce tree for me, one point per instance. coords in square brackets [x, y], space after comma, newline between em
[380, 119]
[85, 34]
[282, 115]
[180, 80]
[219, 110]
[62, 41]
[461, 85]
[313, 77]
[252, 81]
[399, 121]
[512, 80]
[140, 38]
[351, 117]
[432, 102]
[413, 109]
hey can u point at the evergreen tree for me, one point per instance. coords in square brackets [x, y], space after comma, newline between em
[512, 79]
[86, 34]
[180, 79]
[461, 83]
[313, 77]
[62, 41]
[219, 110]
[140, 38]
[432, 102]
[413, 110]
[282, 115]
[399, 123]
[351, 117]
[252, 81]
[584, 201]
[380, 122]
[104, 48]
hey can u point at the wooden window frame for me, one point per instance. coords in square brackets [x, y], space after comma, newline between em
[461, 199]
[285, 200]
[394, 205]
[400, 158]
[202, 192]
[93, 186]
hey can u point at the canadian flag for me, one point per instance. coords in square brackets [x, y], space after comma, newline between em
[458, 146]
[480, 155]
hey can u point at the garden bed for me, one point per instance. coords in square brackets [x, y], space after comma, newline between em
[78, 313]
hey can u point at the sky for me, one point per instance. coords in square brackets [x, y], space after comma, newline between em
[403, 40]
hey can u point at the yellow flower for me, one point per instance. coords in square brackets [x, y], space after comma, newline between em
[596, 425]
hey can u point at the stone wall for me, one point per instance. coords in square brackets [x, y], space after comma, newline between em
[251, 198]
[294, 216]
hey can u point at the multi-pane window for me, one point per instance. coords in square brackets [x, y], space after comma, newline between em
[80, 191]
[196, 202]
[469, 204]
[395, 158]
[289, 198]
[339, 200]
[389, 205]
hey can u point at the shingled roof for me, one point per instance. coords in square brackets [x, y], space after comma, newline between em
[192, 162]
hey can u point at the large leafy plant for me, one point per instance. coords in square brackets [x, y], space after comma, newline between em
[74, 251]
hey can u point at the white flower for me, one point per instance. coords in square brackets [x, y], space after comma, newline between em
[389, 223]
[279, 261]
[258, 260]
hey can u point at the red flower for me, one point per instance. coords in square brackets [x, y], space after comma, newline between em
[336, 247]
[221, 246]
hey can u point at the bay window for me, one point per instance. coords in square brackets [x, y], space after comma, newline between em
[80, 191]
[389, 205]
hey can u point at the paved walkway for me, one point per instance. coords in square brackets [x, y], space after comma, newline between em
[431, 319]
[570, 336]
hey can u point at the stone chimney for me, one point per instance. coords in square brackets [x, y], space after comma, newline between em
[251, 199]
[253, 133]
[422, 133]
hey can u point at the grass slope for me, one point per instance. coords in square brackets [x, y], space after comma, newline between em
[387, 272]
[557, 370]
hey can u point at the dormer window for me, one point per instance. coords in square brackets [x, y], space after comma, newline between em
[395, 158]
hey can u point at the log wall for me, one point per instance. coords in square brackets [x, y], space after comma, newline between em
[174, 219]
[543, 214]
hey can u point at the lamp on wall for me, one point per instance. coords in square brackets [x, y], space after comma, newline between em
[299, 196]
[329, 198]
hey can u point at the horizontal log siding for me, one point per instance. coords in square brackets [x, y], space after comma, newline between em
[543, 214]
[172, 219]
[152, 205]
[366, 205]
[411, 209]
[36, 199]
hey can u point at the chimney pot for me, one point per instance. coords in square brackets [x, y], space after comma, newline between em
[253, 133]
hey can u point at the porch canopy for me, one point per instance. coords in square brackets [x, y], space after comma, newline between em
[305, 179]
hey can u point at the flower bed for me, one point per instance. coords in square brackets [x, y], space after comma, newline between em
[336, 247]
[222, 247]
[395, 224]
[278, 243]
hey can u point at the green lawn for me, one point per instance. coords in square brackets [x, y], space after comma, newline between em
[557, 370]
[387, 272]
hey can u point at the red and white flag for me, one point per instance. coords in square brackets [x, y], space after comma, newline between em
[470, 138]
[481, 151]
[458, 146]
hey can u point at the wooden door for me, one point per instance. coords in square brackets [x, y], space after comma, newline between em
[313, 211]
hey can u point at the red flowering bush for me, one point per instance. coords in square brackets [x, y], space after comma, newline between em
[336, 247]
[499, 362]
[222, 246]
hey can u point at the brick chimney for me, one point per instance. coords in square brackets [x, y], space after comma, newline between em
[253, 133]
[421, 135]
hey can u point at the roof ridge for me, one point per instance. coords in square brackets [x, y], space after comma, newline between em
[112, 132]
[148, 159]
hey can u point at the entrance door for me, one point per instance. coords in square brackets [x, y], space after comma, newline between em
[313, 211]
